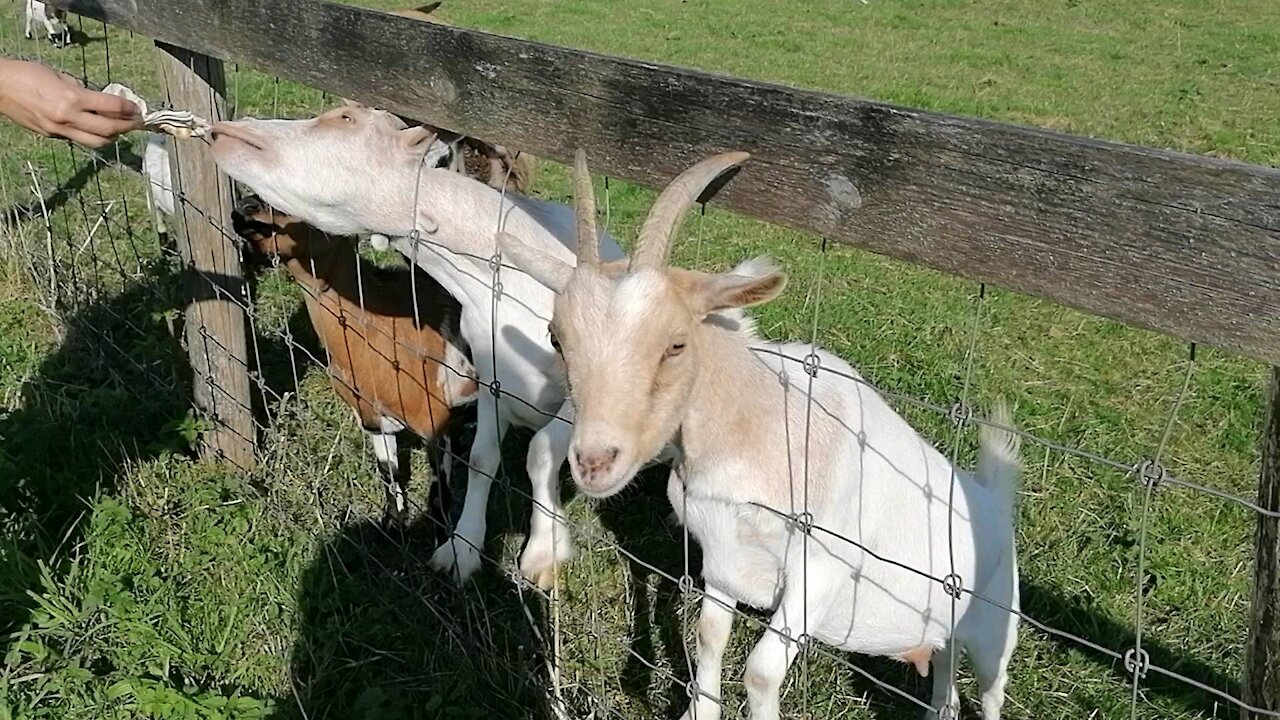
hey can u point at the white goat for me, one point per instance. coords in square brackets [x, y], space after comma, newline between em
[53, 19]
[158, 175]
[789, 482]
[358, 170]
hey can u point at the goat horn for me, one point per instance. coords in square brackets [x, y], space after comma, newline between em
[668, 211]
[584, 204]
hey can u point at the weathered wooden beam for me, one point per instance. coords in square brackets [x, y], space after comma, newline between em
[1183, 244]
[215, 322]
[1262, 650]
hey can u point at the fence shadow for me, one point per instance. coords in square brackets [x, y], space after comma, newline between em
[641, 528]
[114, 391]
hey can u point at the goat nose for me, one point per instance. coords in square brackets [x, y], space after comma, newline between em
[595, 461]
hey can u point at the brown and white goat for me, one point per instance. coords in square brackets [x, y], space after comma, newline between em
[395, 357]
[809, 495]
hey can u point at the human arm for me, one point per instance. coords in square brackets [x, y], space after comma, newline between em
[55, 104]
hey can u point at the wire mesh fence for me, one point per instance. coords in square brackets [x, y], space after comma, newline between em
[616, 632]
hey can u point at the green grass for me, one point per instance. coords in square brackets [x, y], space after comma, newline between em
[138, 582]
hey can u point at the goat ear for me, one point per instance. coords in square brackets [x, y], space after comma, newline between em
[550, 271]
[416, 138]
[750, 283]
[424, 144]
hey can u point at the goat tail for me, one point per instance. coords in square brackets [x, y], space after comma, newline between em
[998, 445]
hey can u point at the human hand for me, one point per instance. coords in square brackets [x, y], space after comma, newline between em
[52, 103]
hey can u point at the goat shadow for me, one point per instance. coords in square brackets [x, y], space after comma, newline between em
[382, 635]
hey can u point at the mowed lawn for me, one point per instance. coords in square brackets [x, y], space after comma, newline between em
[138, 582]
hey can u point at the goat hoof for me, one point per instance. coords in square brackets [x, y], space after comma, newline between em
[457, 557]
[542, 558]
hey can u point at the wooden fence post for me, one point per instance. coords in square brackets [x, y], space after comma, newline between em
[215, 319]
[1262, 650]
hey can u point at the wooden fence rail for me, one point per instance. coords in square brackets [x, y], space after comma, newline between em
[1182, 244]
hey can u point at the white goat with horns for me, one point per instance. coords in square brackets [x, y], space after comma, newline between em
[356, 170]
[809, 495]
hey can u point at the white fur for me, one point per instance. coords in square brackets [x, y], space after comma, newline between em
[766, 448]
[874, 482]
[385, 450]
[56, 29]
[456, 377]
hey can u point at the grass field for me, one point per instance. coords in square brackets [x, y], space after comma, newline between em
[138, 582]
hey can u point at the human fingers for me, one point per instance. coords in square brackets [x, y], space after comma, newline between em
[109, 105]
[81, 137]
[99, 125]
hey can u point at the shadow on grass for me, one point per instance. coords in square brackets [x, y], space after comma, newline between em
[1057, 609]
[116, 390]
[55, 198]
[383, 636]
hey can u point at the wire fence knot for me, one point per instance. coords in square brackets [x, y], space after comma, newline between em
[960, 414]
[802, 521]
[686, 584]
[1136, 662]
[812, 363]
[1151, 473]
[952, 584]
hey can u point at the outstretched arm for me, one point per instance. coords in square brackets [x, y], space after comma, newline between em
[55, 104]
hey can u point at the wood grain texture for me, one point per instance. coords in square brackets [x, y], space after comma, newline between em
[1182, 244]
[1262, 650]
[217, 342]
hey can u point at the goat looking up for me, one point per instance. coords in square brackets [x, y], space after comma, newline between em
[357, 170]
[395, 356]
[796, 484]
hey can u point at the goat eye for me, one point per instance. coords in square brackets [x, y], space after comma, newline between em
[675, 349]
